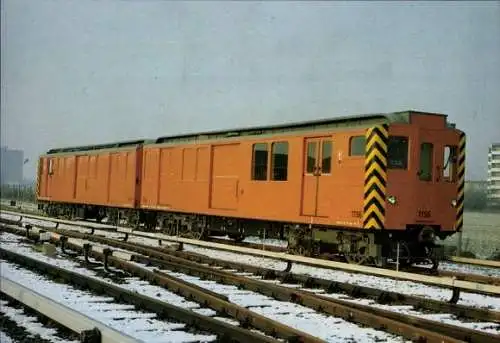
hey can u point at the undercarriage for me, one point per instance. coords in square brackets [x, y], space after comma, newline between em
[382, 248]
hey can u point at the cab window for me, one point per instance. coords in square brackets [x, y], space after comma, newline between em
[426, 153]
[449, 163]
[357, 146]
[397, 152]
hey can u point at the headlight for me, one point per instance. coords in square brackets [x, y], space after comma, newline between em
[454, 203]
[391, 199]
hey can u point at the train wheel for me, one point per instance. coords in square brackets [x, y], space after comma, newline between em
[430, 258]
[380, 261]
[356, 259]
[298, 250]
[404, 254]
[194, 232]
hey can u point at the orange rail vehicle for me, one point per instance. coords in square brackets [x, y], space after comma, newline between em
[353, 186]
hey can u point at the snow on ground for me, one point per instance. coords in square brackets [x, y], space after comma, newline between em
[405, 287]
[124, 318]
[469, 269]
[445, 266]
[323, 326]
[29, 323]
[149, 242]
[302, 318]
[409, 310]
[4, 338]
[267, 241]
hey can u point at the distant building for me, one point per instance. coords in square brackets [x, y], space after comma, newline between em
[11, 166]
[494, 174]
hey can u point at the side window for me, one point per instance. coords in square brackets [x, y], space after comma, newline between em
[449, 163]
[326, 161]
[397, 152]
[259, 161]
[357, 146]
[311, 157]
[426, 152]
[279, 161]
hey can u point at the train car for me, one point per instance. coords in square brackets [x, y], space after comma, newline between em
[353, 186]
[360, 187]
[91, 181]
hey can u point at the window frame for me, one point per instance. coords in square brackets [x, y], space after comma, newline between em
[273, 161]
[315, 157]
[254, 165]
[406, 166]
[451, 164]
[430, 161]
[351, 145]
[329, 141]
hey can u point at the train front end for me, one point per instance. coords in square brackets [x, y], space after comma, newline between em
[424, 193]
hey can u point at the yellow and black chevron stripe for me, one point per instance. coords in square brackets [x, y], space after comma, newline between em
[375, 177]
[459, 223]
[38, 174]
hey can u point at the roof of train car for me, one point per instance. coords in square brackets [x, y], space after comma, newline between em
[393, 117]
[114, 145]
[346, 121]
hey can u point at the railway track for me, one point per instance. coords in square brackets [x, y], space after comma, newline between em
[268, 247]
[172, 317]
[408, 326]
[143, 318]
[456, 275]
[20, 323]
[491, 280]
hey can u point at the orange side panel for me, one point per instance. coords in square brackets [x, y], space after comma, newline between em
[176, 178]
[122, 178]
[168, 174]
[82, 170]
[68, 178]
[202, 164]
[225, 177]
[100, 186]
[151, 165]
[118, 165]
[130, 178]
[189, 164]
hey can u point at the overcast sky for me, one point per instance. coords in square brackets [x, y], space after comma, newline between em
[86, 72]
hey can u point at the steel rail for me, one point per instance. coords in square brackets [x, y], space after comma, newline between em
[65, 316]
[475, 261]
[408, 326]
[382, 296]
[405, 274]
[224, 330]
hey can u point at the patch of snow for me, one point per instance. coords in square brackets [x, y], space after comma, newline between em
[400, 286]
[4, 338]
[326, 327]
[139, 325]
[29, 323]
[469, 269]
